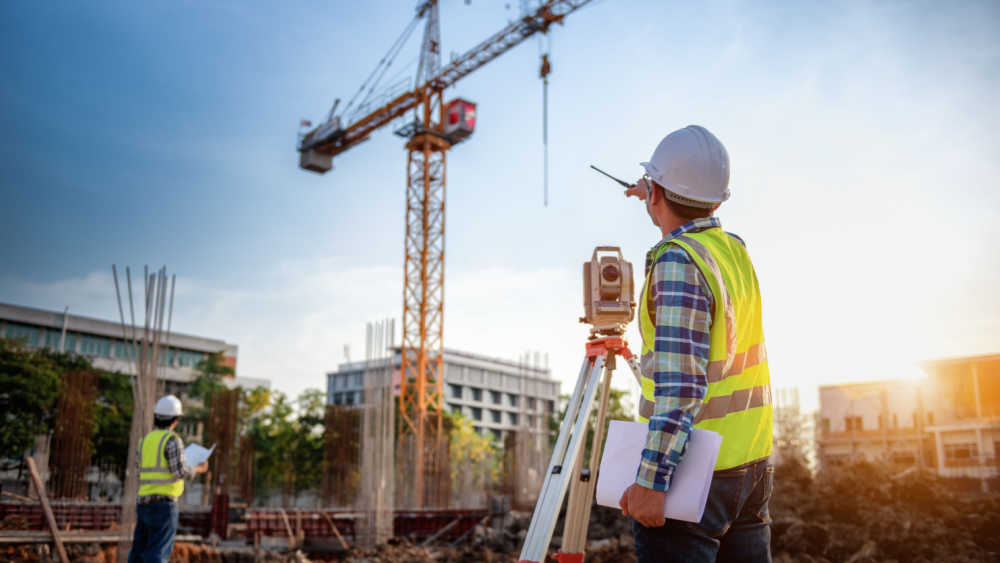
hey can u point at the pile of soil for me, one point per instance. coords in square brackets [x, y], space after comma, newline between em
[866, 513]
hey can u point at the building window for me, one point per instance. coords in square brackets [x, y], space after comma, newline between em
[904, 458]
[531, 403]
[357, 379]
[338, 398]
[512, 418]
[497, 434]
[512, 399]
[455, 390]
[531, 420]
[477, 394]
[495, 397]
[495, 416]
[455, 409]
[826, 425]
[477, 413]
[29, 334]
[853, 423]
[960, 452]
[550, 406]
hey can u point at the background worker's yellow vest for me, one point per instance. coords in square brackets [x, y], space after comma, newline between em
[738, 402]
[154, 474]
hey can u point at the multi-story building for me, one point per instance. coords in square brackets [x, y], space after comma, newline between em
[949, 421]
[102, 343]
[497, 395]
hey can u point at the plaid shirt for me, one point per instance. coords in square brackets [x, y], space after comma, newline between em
[176, 463]
[682, 313]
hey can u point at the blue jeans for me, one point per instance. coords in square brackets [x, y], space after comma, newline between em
[734, 528]
[155, 529]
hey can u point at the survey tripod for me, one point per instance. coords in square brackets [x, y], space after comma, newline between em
[566, 469]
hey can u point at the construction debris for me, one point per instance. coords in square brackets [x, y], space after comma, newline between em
[860, 514]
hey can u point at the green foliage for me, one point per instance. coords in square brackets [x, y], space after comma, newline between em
[113, 420]
[203, 386]
[289, 448]
[29, 385]
[468, 451]
[254, 401]
[29, 389]
[618, 409]
[209, 379]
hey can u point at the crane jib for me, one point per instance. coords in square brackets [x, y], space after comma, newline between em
[499, 43]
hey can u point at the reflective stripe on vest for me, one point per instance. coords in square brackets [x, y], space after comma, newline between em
[154, 473]
[737, 403]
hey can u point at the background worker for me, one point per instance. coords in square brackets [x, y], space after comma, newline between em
[162, 470]
[704, 364]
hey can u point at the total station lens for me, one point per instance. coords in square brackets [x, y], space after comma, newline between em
[610, 273]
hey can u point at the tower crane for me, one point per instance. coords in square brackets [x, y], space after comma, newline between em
[436, 127]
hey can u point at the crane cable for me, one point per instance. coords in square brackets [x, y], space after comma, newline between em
[383, 66]
[543, 73]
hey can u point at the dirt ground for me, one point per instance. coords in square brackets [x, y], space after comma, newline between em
[858, 514]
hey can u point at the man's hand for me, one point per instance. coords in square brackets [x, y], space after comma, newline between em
[645, 505]
[638, 189]
[201, 468]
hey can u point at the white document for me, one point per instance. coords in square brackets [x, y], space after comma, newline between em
[692, 478]
[195, 454]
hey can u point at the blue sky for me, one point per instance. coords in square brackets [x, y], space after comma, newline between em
[863, 137]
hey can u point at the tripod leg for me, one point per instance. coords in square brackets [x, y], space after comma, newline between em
[581, 496]
[573, 430]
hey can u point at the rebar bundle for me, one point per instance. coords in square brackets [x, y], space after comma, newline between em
[221, 430]
[341, 455]
[143, 347]
[378, 483]
[72, 440]
[244, 469]
[525, 458]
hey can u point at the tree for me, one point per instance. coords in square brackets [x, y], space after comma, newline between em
[203, 386]
[618, 409]
[209, 378]
[474, 462]
[29, 385]
[114, 422]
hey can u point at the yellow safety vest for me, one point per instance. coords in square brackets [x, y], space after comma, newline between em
[737, 404]
[154, 474]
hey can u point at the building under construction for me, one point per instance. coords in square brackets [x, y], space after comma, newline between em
[498, 396]
[949, 422]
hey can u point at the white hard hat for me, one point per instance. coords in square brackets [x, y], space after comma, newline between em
[693, 166]
[168, 406]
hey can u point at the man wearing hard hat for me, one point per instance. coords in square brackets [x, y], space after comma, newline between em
[162, 470]
[704, 364]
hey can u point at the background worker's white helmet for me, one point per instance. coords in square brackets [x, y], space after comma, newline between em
[693, 166]
[168, 406]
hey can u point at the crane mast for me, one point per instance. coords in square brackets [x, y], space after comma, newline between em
[421, 384]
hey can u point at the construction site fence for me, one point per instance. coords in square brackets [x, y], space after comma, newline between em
[93, 516]
[313, 523]
[415, 524]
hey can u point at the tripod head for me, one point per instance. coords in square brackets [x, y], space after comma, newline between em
[608, 293]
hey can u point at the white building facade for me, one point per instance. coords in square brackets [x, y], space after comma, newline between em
[497, 395]
[949, 421]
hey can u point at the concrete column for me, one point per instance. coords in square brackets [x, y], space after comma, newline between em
[940, 452]
[984, 485]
